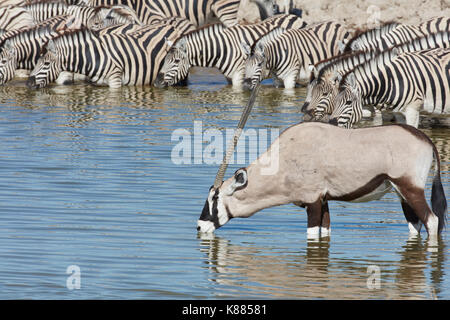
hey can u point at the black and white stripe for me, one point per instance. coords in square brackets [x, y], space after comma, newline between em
[20, 49]
[409, 82]
[220, 47]
[199, 12]
[287, 55]
[392, 34]
[323, 85]
[111, 58]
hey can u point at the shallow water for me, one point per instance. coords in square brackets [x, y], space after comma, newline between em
[87, 180]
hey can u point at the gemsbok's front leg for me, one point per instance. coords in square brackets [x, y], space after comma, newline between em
[325, 222]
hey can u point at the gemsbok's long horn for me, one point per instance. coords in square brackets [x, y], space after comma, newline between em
[237, 133]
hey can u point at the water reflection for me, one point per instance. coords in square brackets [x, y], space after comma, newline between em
[252, 270]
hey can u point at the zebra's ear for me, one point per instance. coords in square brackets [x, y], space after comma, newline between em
[336, 77]
[181, 44]
[351, 81]
[247, 49]
[168, 42]
[313, 70]
[341, 46]
[51, 46]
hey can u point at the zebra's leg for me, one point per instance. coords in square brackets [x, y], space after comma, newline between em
[412, 113]
[64, 78]
[238, 78]
[115, 80]
[325, 223]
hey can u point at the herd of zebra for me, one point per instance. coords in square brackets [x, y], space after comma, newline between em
[404, 68]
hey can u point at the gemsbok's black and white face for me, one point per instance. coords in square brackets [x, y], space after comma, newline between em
[216, 211]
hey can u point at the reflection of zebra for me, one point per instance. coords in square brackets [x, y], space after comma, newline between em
[220, 47]
[106, 58]
[323, 85]
[287, 55]
[197, 11]
[409, 82]
[20, 50]
[392, 34]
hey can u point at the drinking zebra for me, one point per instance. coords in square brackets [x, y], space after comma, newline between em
[286, 55]
[220, 47]
[324, 83]
[20, 49]
[409, 83]
[109, 58]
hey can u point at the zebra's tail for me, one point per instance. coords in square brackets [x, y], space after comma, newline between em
[438, 201]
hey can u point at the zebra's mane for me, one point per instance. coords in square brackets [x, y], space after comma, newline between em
[389, 54]
[274, 34]
[370, 33]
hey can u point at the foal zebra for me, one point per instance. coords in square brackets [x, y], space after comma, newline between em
[114, 59]
[220, 47]
[324, 83]
[287, 54]
[198, 12]
[408, 83]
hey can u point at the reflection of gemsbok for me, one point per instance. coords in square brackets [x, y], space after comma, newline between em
[248, 270]
[318, 162]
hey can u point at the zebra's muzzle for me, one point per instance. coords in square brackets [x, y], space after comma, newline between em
[247, 84]
[159, 82]
[31, 82]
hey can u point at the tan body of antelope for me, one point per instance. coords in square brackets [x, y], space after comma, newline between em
[318, 162]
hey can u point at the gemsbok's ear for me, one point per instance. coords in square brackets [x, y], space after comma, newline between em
[240, 181]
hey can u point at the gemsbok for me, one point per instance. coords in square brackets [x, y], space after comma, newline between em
[318, 162]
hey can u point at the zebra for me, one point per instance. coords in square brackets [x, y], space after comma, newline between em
[393, 33]
[20, 50]
[14, 18]
[199, 12]
[409, 82]
[287, 54]
[324, 82]
[218, 46]
[106, 58]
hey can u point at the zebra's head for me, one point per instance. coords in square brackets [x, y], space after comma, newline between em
[254, 66]
[8, 63]
[320, 97]
[216, 212]
[348, 104]
[176, 64]
[104, 17]
[47, 68]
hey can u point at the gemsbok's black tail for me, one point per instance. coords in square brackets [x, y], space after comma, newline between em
[438, 201]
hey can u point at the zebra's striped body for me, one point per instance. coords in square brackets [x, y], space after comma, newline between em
[393, 34]
[410, 83]
[199, 12]
[20, 50]
[14, 18]
[220, 47]
[323, 86]
[114, 59]
[287, 55]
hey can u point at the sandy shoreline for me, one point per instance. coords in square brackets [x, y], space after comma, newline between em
[362, 13]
